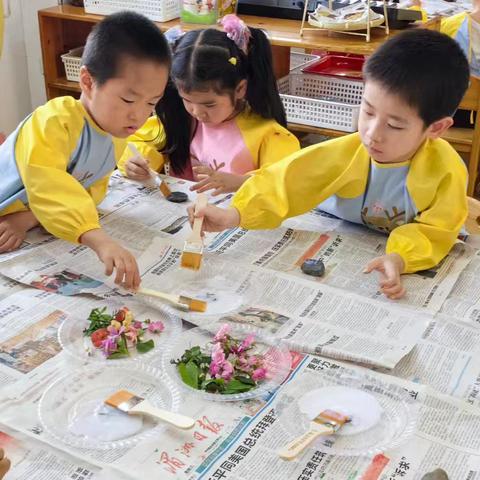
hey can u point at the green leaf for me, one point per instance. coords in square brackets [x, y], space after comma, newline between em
[189, 373]
[235, 386]
[246, 380]
[143, 347]
[114, 355]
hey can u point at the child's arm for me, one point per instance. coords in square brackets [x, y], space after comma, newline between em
[425, 242]
[4, 464]
[56, 199]
[114, 257]
[301, 181]
[149, 140]
[211, 178]
[390, 267]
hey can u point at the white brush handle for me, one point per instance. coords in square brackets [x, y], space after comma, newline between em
[201, 202]
[168, 297]
[176, 419]
[297, 446]
[152, 181]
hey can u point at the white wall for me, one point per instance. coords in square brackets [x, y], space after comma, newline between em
[21, 74]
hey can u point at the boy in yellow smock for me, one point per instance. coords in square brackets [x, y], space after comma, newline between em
[56, 165]
[395, 175]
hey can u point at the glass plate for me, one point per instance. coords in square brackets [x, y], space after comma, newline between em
[67, 405]
[223, 294]
[277, 356]
[383, 415]
[75, 343]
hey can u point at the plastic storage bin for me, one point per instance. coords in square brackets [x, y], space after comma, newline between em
[299, 59]
[321, 101]
[337, 65]
[72, 62]
[157, 10]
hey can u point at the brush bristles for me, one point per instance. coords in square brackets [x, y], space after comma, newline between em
[164, 188]
[118, 398]
[198, 306]
[191, 260]
[193, 304]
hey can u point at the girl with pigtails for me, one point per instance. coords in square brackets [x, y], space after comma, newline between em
[221, 117]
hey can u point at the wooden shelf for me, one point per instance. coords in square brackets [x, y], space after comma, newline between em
[65, 84]
[281, 32]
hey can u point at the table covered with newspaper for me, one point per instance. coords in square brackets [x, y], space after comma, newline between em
[425, 346]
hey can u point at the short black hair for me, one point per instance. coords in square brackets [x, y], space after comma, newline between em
[426, 68]
[123, 34]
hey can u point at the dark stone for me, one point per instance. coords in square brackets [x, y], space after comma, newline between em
[314, 267]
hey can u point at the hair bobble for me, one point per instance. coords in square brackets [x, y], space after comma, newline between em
[237, 31]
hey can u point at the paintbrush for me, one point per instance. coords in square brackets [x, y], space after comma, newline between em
[193, 248]
[180, 301]
[154, 181]
[325, 423]
[129, 403]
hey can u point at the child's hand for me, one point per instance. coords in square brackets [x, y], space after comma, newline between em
[115, 257]
[390, 267]
[216, 219]
[14, 228]
[137, 168]
[219, 182]
[4, 464]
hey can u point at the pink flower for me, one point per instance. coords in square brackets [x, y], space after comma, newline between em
[227, 372]
[218, 355]
[109, 345]
[132, 335]
[138, 325]
[247, 342]
[156, 327]
[259, 374]
[222, 333]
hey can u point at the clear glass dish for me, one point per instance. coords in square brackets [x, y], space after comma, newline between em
[224, 293]
[76, 344]
[383, 415]
[277, 359]
[76, 400]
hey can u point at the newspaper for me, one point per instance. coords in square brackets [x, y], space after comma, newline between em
[28, 335]
[452, 445]
[447, 359]
[137, 203]
[463, 303]
[345, 257]
[33, 460]
[313, 317]
[241, 440]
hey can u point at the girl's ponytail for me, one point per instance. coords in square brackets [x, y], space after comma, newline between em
[178, 128]
[262, 90]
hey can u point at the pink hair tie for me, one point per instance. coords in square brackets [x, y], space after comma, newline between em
[236, 30]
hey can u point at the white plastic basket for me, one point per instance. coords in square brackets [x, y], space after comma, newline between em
[299, 59]
[157, 10]
[321, 101]
[72, 62]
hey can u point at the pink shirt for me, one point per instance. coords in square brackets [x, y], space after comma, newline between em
[223, 143]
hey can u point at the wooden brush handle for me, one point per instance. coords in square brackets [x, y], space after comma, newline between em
[176, 419]
[297, 446]
[201, 202]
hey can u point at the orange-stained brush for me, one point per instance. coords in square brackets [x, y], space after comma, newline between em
[129, 403]
[193, 248]
[155, 181]
[325, 423]
[181, 302]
